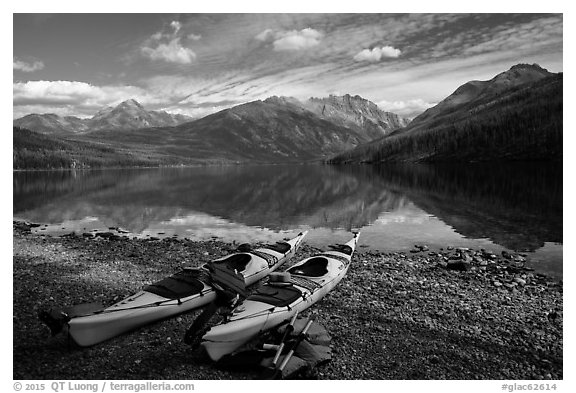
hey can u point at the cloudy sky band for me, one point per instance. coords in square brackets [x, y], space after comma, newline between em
[196, 64]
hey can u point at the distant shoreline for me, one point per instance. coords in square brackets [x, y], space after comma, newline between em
[335, 164]
[169, 166]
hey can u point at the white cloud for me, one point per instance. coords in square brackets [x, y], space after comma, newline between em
[176, 26]
[166, 46]
[172, 52]
[291, 40]
[56, 92]
[73, 97]
[265, 35]
[26, 67]
[156, 36]
[296, 40]
[82, 99]
[163, 34]
[408, 108]
[377, 54]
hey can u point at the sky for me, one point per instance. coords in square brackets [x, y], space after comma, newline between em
[196, 64]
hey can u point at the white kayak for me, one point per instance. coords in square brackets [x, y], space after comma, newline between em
[276, 302]
[181, 292]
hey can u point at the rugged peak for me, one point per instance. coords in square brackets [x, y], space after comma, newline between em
[347, 103]
[131, 103]
[355, 98]
[46, 115]
[523, 66]
[521, 73]
[517, 75]
[355, 111]
[130, 106]
[346, 98]
[103, 112]
[282, 100]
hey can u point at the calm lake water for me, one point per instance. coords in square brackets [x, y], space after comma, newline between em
[496, 207]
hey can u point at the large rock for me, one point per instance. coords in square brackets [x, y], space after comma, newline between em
[459, 265]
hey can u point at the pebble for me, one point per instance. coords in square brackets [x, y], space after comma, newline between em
[520, 281]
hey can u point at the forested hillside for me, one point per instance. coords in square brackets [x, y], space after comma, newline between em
[522, 123]
[32, 150]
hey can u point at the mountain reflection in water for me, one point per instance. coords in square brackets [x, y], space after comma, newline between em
[515, 206]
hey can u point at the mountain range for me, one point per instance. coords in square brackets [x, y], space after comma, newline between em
[349, 111]
[278, 129]
[517, 115]
[128, 115]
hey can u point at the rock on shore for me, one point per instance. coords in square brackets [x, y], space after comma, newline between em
[394, 316]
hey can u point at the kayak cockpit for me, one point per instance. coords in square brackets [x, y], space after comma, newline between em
[279, 247]
[313, 267]
[343, 248]
[185, 283]
[237, 262]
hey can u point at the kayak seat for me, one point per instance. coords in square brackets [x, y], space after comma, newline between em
[244, 247]
[282, 277]
[235, 262]
[314, 267]
[276, 296]
[177, 286]
[280, 247]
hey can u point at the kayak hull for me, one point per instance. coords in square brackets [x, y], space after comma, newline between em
[255, 316]
[115, 320]
[145, 307]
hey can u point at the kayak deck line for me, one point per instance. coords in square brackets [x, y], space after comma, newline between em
[162, 303]
[343, 258]
[305, 283]
[270, 258]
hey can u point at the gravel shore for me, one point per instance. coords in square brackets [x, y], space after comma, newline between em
[426, 314]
